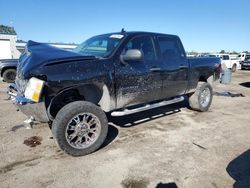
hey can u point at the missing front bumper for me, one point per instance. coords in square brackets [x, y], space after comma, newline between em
[28, 107]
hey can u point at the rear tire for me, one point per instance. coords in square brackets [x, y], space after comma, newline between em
[202, 98]
[234, 68]
[9, 75]
[80, 128]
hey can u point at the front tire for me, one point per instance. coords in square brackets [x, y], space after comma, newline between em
[9, 75]
[80, 128]
[202, 98]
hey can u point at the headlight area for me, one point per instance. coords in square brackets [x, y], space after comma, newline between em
[34, 89]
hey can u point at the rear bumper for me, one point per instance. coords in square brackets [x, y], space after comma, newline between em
[28, 107]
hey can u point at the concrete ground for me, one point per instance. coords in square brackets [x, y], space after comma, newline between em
[166, 147]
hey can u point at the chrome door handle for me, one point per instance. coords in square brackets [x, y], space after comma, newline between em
[183, 67]
[155, 69]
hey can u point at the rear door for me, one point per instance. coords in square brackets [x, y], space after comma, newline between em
[138, 82]
[174, 66]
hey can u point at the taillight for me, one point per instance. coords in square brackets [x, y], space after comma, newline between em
[220, 67]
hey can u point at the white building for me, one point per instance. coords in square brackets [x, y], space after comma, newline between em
[8, 47]
[11, 48]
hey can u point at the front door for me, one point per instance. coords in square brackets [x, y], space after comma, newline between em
[138, 82]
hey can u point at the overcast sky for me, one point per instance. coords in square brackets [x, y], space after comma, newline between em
[208, 25]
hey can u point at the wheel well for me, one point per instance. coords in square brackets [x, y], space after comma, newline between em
[6, 68]
[209, 80]
[202, 79]
[88, 93]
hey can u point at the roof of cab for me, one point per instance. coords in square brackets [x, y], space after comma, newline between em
[140, 33]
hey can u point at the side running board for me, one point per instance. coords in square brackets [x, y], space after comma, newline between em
[147, 107]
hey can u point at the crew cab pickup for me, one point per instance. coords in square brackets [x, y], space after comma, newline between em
[8, 69]
[116, 74]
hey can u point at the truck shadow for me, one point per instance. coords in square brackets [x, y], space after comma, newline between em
[145, 116]
[139, 118]
[112, 134]
[239, 170]
[245, 84]
[166, 185]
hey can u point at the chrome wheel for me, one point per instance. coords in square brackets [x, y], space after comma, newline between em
[205, 97]
[83, 130]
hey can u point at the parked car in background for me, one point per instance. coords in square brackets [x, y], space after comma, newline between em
[8, 69]
[243, 57]
[117, 74]
[245, 64]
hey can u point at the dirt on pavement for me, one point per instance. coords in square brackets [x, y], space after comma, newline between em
[166, 147]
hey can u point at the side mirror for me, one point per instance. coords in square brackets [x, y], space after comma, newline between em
[132, 55]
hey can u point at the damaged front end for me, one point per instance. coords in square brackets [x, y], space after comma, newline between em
[34, 109]
[26, 93]
[29, 90]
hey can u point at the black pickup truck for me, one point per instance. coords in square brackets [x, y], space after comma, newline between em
[8, 69]
[117, 74]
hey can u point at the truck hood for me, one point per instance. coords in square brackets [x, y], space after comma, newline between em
[41, 54]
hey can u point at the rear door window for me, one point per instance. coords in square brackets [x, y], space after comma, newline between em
[170, 49]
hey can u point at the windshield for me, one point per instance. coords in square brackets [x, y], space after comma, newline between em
[100, 46]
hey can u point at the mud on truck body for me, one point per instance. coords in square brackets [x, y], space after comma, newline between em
[117, 73]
